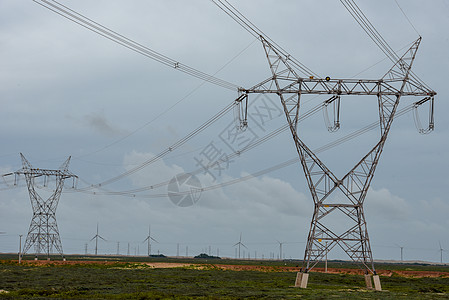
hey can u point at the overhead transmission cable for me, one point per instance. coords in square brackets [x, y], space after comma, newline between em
[231, 11]
[176, 145]
[132, 193]
[213, 164]
[346, 138]
[410, 22]
[182, 141]
[97, 28]
[169, 108]
[370, 30]
[375, 36]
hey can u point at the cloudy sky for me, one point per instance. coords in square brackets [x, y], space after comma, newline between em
[66, 91]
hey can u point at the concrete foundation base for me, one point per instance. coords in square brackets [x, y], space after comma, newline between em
[301, 280]
[368, 281]
[377, 285]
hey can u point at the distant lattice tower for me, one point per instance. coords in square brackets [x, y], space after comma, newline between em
[43, 232]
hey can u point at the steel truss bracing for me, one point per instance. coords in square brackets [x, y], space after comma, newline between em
[289, 86]
[43, 232]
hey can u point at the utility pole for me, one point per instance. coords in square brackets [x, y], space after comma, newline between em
[20, 248]
[85, 248]
[43, 232]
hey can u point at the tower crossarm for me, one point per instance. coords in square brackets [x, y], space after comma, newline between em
[43, 172]
[328, 86]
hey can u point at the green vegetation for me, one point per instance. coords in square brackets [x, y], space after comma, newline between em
[133, 280]
[206, 256]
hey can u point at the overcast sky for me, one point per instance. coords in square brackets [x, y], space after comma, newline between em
[66, 91]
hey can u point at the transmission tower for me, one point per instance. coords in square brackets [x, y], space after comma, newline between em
[289, 86]
[323, 184]
[43, 233]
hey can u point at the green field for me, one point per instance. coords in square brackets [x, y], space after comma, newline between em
[126, 278]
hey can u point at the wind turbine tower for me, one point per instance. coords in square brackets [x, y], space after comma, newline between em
[149, 239]
[402, 251]
[96, 237]
[239, 243]
[280, 249]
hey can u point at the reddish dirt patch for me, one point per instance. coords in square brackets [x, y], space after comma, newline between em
[388, 273]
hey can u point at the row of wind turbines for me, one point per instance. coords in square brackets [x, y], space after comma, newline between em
[148, 239]
[239, 245]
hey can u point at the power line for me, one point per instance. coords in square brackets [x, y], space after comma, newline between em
[168, 109]
[326, 147]
[410, 22]
[173, 147]
[231, 11]
[99, 29]
[376, 37]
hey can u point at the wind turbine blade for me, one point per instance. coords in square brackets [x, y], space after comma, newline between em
[244, 245]
[92, 238]
[154, 240]
[236, 244]
[102, 238]
[145, 240]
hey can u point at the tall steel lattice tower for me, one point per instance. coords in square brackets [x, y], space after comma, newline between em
[342, 197]
[322, 182]
[43, 232]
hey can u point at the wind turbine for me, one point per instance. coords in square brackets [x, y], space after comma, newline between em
[96, 240]
[240, 243]
[402, 250]
[441, 252]
[280, 249]
[149, 238]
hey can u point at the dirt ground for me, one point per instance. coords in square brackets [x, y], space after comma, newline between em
[389, 273]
